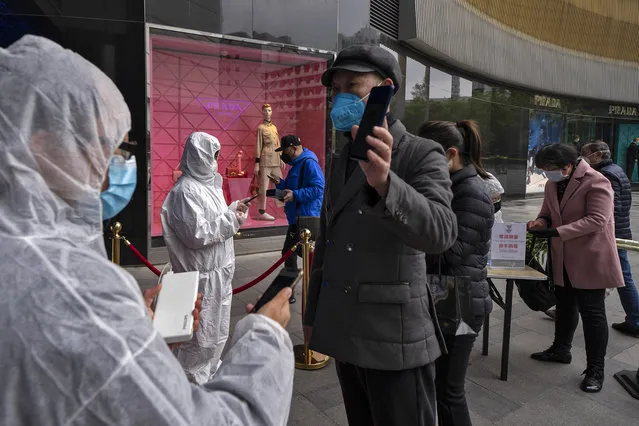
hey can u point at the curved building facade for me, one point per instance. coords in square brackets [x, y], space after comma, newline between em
[569, 47]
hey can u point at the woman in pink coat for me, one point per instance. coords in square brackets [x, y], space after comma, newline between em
[577, 213]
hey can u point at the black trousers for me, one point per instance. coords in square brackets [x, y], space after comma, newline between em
[292, 237]
[571, 302]
[630, 167]
[452, 409]
[388, 398]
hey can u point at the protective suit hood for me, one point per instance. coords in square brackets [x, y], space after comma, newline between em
[61, 119]
[198, 158]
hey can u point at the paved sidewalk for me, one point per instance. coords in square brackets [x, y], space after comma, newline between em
[535, 394]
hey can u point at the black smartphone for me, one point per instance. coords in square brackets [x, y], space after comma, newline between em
[284, 279]
[251, 199]
[374, 114]
[276, 193]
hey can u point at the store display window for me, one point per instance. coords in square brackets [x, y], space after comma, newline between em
[247, 95]
[544, 129]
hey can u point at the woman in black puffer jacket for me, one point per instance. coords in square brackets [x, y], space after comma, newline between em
[472, 203]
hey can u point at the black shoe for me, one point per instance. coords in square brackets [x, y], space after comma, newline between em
[626, 328]
[552, 313]
[593, 382]
[553, 354]
[292, 300]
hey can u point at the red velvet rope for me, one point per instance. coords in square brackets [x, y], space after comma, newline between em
[268, 272]
[144, 260]
[257, 280]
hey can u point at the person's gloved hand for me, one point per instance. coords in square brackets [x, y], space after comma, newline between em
[242, 205]
[544, 233]
[241, 216]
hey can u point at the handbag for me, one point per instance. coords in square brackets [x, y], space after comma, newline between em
[453, 302]
[538, 295]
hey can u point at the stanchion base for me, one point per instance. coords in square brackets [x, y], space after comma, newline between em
[317, 361]
[630, 382]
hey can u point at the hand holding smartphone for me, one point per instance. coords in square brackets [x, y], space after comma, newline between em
[374, 115]
[274, 179]
[247, 201]
[284, 279]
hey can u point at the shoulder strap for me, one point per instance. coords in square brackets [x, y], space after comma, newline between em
[300, 181]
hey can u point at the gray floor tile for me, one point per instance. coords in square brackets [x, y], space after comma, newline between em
[564, 407]
[304, 413]
[338, 415]
[489, 404]
[326, 397]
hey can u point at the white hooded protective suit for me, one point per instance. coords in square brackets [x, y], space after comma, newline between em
[77, 345]
[496, 191]
[198, 229]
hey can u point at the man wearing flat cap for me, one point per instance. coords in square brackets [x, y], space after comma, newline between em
[369, 304]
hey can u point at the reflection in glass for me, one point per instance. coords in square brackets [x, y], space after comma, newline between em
[202, 15]
[310, 23]
[124, 10]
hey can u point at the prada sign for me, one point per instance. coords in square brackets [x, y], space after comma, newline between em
[624, 111]
[546, 101]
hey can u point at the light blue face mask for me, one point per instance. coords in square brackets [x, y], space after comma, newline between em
[555, 175]
[122, 181]
[347, 111]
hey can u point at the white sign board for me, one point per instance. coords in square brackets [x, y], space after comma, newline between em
[508, 246]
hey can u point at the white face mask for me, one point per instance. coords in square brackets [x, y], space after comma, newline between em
[556, 175]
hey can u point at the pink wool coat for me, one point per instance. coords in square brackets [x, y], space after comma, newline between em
[586, 245]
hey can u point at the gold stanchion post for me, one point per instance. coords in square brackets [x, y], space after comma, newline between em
[116, 228]
[306, 359]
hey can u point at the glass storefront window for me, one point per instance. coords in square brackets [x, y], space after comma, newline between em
[544, 128]
[220, 86]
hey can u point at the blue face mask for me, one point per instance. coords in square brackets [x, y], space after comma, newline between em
[347, 111]
[122, 181]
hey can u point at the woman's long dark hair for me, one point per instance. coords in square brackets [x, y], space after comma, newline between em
[463, 135]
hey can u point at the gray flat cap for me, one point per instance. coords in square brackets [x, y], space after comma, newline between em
[366, 59]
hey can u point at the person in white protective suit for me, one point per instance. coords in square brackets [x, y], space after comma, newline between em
[496, 191]
[198, 228]
[77, 344]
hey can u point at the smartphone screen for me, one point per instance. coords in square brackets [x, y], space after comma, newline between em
[374, 115]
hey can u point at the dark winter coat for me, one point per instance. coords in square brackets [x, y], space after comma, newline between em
[623, 196]
[473, 206]
[368, 299]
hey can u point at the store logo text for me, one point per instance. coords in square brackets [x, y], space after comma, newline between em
[622, 110]
[546, 101]
[224, 111]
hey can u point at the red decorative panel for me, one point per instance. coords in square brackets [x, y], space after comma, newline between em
[220, 89]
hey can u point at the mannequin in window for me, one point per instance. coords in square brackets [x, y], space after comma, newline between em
[267, 161]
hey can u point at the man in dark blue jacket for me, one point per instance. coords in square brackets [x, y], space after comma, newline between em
[303, 187]
[598, 155]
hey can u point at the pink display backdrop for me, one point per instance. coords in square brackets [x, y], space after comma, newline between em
[220, 89]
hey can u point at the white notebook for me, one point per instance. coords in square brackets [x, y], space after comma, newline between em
[173, 316]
